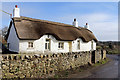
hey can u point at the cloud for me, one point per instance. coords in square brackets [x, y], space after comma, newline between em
[104, 26]
[103, 23]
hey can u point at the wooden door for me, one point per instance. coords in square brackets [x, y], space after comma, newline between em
[70, 46]
[93, 57]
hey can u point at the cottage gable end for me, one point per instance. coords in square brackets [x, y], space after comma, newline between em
[12, 39]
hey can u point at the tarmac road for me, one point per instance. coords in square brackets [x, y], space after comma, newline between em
[108, 70]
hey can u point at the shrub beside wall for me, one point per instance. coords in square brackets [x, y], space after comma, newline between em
[40, 66]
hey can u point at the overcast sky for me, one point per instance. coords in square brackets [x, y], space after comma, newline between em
[101, 16]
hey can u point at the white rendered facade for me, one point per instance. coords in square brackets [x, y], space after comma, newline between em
[22, 46]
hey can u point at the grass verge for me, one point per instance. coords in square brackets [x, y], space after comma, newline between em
[115, 51]
[103, 61]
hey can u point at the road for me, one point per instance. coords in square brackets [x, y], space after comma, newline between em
[108, 70]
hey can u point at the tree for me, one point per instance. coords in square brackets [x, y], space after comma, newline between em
[4, 31]
[110, 46]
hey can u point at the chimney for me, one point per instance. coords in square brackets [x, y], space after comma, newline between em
[16, 12]
[75, 23]
[86, 26]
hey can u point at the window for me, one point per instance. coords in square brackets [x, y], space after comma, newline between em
[30, 44]
[78, 44]
[48, 36]
[47, 44]
[61, 45]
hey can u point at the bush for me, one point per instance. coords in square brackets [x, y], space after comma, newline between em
[113, 52]
[98, 47]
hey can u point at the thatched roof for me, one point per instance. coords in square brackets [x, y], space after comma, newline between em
[29, 28]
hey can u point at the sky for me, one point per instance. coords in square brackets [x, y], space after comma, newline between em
[102, 17]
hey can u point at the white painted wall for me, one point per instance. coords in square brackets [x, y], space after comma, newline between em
[13, 40]
[16, 12]
[84, 46]
[39, 45]
[94, 45]
[23, 46]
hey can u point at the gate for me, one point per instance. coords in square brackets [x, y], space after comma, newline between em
[93, 57]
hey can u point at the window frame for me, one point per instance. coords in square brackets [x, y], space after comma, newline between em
[30, 44]
[60, 45]
[47, 44]
[78, 44]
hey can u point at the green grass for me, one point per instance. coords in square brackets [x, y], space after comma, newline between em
[56, 76]
[98, 47]
[101, 62]
[113, 51]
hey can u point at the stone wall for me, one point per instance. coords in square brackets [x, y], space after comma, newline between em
[39, 66]
[104, 54]
[100, 54]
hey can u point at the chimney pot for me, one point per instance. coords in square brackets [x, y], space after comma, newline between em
[16, 11]
[16, 6]
[75, 23]
[74, 19]
[86, 26]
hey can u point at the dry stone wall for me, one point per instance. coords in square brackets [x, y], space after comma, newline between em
[41, 66]
[104, 54]
[100, 54]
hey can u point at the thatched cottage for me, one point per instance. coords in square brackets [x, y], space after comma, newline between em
[27, 35]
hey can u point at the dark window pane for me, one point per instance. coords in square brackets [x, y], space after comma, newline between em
[45, 45]
[47, 40]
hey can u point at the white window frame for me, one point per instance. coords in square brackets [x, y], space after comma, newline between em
[30, 45]
[60, 45]
[47, 44]
[78, 44]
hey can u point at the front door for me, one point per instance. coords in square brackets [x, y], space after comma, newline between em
[101, 54]
[93, 57]
[70, 46]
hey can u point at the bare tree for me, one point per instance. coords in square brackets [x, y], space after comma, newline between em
[4, 31]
